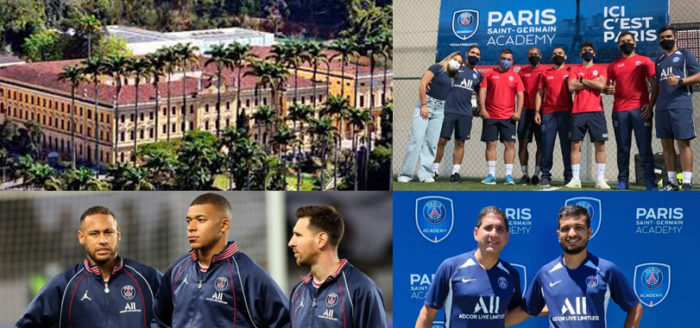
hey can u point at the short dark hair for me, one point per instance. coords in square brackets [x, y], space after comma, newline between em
[574, 210]
[667, 28]
[472, 47]
[562, 49]
[625, 33]
[494, 211]
[324, 218]
[219, 202]
[505, 51]
[97, 210]
[586, 44]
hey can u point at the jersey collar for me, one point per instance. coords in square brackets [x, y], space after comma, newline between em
[231, 248]
[96, 269]
[309, 276]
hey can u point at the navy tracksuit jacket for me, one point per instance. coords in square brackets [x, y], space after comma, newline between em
[346, 299]
[79, 298]
[232, 292]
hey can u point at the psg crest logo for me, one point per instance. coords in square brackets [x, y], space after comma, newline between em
[502, 282]
[465, 23]
[594, 207]
[434, 217]
[331, 300]
[592, 281]
[652, 282]
[128, 292]
[221, 283]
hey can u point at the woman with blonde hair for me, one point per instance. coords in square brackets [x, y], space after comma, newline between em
[434, 86]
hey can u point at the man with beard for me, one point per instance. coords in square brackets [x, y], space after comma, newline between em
[215, 284]
[334, 293]
[476, 288]
[104, 290]
[577, 286]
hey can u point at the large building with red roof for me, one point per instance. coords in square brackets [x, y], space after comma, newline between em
[33, 92]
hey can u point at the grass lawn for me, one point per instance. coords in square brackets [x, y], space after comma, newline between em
[443, 183]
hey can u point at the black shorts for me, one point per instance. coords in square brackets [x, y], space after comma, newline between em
[527, 126]
[461, 124]
[493, 128]
[593, 122]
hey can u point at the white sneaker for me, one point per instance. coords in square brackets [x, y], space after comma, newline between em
[601, 184]
[429, 180]
[574, 183]
[403, 178]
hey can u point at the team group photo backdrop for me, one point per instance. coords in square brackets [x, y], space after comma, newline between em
[652, 238]
[425, 32]
[38, 238]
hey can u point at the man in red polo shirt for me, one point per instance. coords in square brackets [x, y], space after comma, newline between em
[587, 115]
[497, 100]
[553, 114]
[632, 109]
[526, 126]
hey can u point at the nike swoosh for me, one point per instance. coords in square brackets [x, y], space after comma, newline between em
[551, 284]
[468, 280]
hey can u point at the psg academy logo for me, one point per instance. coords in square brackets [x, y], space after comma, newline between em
[331, 300]
[465, 23]
[594, 207]
[128, 292]
[221, 283]
[652, 282]
[434, 217]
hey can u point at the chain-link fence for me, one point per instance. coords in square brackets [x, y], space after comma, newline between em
[415, 39]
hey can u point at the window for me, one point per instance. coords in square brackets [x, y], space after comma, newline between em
[264, 100]
[172, 129]
[132, 117]
[165, 110]
[122, 118]
[362, 101]
[141, 134]
[191, 109]
[165, 126]
[247, 103]
[89, 116]
[228, 105]
[206, 125]
[191, 125]
[206, 108]
[141, 116]
[303, 99]
[121, 137]
[150, 133]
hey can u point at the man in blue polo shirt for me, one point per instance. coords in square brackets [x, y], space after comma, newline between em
[577, 286]
[459, 112]
[334, 293]
[476, 288]
[105, 290]
[215, 284]
[676, 69]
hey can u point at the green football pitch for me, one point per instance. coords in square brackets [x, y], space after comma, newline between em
[443, 183]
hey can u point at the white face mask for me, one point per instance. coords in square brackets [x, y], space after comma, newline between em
[453, 65]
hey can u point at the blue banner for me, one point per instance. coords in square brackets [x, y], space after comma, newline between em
[651, 237]
[519, 25]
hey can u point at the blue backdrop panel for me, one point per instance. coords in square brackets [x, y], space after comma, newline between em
[519, 25]
[645, 234]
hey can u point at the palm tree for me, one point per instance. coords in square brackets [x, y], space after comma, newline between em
[358, 118]
[345, 48]
[271, 74]
[299, 113]
[170, 59]
[117, 67]
[282, 138]
[88, 26]
[157, 67]
[126, 176]
[139, 69]
[73, 75]
[186, 58]
[30, 138]
[385, 49]
[337, 105]
[238, 54]
[371, 46]
[264, 116]
[323, 132]
[316, 53]
[230, 139]
[160, 167]
[84, 179]
[39, 174]
[219, 57]
[94, 66]
[197, 161]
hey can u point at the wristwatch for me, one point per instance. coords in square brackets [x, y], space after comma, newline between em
[680, 81]
[580, 80]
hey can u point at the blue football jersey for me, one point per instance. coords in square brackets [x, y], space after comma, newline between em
[472, 296]
[578, 298]
[681, 63]
[466, 83]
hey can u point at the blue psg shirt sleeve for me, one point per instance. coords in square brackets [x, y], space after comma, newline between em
[691, 63]
[621, 291]
[370, 307]
[440, 286]
[44, 309]
[435, 68]
[163, 304]
[267, 303]
[533, 302]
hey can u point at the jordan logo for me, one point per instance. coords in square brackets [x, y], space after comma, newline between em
[184, 281]
[86, 297]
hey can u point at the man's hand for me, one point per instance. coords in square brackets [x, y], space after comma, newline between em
[484, 114]
[424, 112]
[647, 111]
[673, 80]
[538, 118]
[609, 88]
[516, 116]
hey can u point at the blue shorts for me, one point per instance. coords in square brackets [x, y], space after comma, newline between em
[675, 124]
[527, 126]
[493, 128]
[460, 124]
[593, 122]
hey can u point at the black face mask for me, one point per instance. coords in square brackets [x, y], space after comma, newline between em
[587, 56]
[668, 44]
[627, 48]
[472, 60]
[534, 60]
[558, 60]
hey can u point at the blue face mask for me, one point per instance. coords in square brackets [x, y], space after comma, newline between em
[504, 64]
